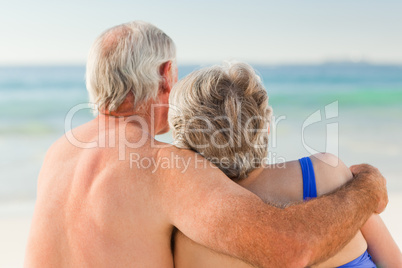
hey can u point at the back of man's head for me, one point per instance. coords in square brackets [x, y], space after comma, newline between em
[124, 59]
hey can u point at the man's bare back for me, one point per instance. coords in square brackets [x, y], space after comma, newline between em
[99, 211]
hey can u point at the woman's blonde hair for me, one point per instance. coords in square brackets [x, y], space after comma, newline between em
[125, 59]
[222, 113]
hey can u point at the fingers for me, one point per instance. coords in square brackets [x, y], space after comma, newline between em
[363, 168]
[382, 204]
[368, 170]
[378, 183]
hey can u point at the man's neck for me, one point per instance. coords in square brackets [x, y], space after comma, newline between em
[135, 120]
[125, 109]
[140, 117]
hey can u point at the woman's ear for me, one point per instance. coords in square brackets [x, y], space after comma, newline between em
[269, 129]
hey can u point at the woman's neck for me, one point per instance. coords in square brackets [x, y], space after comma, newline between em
[251, 177]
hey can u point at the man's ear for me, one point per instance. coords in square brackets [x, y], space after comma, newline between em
[166, 73]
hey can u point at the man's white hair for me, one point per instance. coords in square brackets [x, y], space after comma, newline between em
[127, 58]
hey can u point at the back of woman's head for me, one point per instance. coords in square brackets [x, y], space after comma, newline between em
[222, 112]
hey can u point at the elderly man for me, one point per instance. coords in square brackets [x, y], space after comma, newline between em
[109, 195]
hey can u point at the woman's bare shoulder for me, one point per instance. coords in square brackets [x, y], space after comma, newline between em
[279, 184]
[282, 183]
[330, 172]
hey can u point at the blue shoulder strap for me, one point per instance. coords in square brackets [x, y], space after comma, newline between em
[362, 261]
[309, 186]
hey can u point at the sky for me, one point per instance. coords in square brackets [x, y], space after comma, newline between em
[262, 32]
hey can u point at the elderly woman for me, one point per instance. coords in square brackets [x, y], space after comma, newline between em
[222, 113]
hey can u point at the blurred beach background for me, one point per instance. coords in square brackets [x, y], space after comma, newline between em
[38, 87]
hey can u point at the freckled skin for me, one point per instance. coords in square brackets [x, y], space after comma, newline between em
[93, 211]
[279, 185]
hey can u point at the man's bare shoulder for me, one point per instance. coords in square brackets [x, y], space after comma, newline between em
[166, 149]
[79, 137]
[56, 156]
[182, 160]
[330, 172]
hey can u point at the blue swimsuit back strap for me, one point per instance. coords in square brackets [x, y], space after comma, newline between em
[309, 186]
[363, 261]
[310, 191]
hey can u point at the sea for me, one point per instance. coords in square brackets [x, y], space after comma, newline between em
[353, 110]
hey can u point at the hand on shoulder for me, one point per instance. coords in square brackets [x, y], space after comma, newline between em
[374, 180]
[331, 173]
